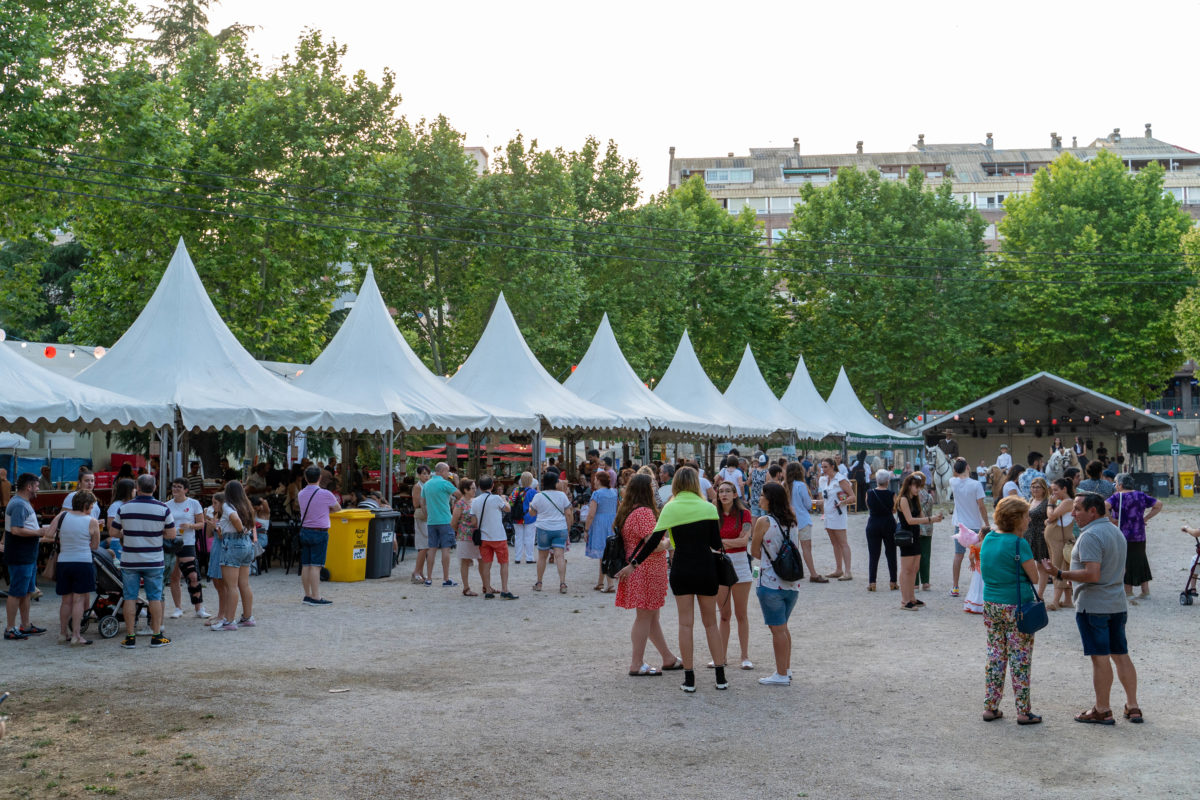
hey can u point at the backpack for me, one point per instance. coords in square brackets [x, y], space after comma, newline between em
[787, 563]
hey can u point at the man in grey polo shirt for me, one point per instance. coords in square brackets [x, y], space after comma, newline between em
[1098, 572]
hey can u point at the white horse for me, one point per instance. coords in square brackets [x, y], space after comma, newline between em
[939, 465]
[1060, 461]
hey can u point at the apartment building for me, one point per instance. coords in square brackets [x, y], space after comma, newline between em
[768, 179]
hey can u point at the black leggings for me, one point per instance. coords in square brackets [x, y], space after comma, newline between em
[881, 536]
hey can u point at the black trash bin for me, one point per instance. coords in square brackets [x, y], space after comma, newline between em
[381, 533]
[1160, 484]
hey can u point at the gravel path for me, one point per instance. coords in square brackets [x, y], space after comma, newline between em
[457, 697]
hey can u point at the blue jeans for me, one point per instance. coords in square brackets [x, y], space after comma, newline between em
[152, 579]
[314, 543]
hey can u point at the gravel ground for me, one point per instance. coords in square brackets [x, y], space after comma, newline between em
[456, 697]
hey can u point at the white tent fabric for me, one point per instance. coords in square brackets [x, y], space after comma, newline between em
[179, 352]
[11, 441]
[686, 386]
[861, 427]
[749, 392]
[369, 360]
[805, 402]
[605, 378]
[36, 397]
[503, 366]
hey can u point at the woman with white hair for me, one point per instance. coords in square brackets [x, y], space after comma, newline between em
[524, 531]
[881, 529]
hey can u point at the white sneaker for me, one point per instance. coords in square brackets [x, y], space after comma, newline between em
[177, 613]
[203, 613]
[217, 624]
[776, 680]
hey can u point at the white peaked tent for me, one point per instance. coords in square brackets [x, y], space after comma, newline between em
[369, 361]
[805, 402]
[686, 386]
[861, 427]
[502, 366]
[34, 396]
[749, 392]
[605, 378]
[179, 352]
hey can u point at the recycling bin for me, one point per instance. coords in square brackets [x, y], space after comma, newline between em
[1187, 484]
[346, 558]
[381, 534]
[1160, 485]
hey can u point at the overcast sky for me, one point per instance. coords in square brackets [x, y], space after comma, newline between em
[710, 78]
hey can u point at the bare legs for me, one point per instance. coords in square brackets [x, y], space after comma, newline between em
[781, 644]
[646, 627]
[708, 617]
[956, 570]
[70, 616]
[806, 554]
[908, 577]
[1102, 678]
[741, 597]
[841, 553]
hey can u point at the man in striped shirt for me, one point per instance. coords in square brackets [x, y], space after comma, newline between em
[143, 523]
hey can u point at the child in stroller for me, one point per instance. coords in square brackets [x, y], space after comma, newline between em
[106, 608]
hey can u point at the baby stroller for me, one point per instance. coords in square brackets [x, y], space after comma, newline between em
[1188, 595]
[107, 607]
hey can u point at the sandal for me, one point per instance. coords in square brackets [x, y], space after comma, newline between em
[846, 577]
[646, 671]
[837, 574]
[537, 587]
[562, 588]
[598, 587]
[992, 716]
[893, 586]
[1095, 717]
[608, 590]
[1030, 719]
[677, 665]
[870, 587]
[1134, 714]
[818, 579]
[469, 593]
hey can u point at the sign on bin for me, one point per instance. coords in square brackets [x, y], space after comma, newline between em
[360, 553]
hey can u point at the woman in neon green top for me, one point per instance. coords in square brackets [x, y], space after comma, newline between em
[1008, 570]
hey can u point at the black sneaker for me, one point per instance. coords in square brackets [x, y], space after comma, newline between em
[507, 596]
[130, 642]
[15, 635]
[308, 601]
[489, 595]
[158, 640]
[321, 601]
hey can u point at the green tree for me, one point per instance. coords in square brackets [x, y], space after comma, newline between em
[180, 25]
[47, 51]
[1187, 313]
[37, 277]
[887, 279]
[1112, 240]
[302, 127]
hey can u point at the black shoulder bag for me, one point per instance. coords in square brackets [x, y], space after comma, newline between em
[477, 534]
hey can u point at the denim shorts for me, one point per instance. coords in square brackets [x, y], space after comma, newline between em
[441, 537]
[313, 544]
[22, 579]
[776, 604]
[153, 579]
[237, 551]
[214, 559]
[959, 550]
[550, 540]
[1102, 634]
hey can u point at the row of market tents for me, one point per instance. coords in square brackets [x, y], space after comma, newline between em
[179, 367]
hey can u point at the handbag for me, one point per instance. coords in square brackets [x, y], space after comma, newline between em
[477, 534]
[1031, 616]
[50, 571]
[903, 537]
[726, 572]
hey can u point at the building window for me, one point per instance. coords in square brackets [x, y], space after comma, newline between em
[989, 232]
[784, 205]
[777, 234]
[1174, 191]
[757, 204]
[729, 176]
[890, 176]
[1193, 195]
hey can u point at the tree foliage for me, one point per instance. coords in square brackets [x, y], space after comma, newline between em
[1187, 313]
[1107, 323]
[886, 279]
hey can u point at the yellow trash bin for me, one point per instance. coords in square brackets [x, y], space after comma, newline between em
[1187, 484]
[346, 559]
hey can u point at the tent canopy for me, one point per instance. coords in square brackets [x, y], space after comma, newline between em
[369, 361]
[11, 441]
[749, 392]
[686, 386]
[860, 426]
[1160, 448]
[34, 396]
[1041, 399]
[806, 403]
[605, 378]
[503, 366]
[179, 352]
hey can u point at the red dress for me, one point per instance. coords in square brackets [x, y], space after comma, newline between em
[647, 586]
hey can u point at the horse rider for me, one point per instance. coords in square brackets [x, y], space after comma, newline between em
[948, 446]
[1004, 460]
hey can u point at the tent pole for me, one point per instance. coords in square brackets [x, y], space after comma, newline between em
[1175, 460]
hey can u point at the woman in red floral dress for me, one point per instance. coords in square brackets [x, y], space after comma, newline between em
[643, 585]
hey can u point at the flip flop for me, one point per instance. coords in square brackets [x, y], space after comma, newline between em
[469, 593]
[677, 665]
[1030, 719]
[646, 671]
[992, 716]
[562, 588]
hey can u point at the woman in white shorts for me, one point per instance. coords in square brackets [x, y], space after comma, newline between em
[735, 522]
[837, 494]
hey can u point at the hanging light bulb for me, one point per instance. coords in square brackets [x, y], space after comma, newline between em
[1087, 418]
[3, 335]
[1022, 422]
[99, 352]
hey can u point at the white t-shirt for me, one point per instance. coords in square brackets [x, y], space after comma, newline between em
[835, 515]
[549, 505]
[185, 513]
[705, 487]
[1004, 461]
[488, 509]
[967, 494]
[771, 541]
[733, 475]
[71, 497]
[664, 494]
[1010, 488]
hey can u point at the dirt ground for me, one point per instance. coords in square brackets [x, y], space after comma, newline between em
[465, 697]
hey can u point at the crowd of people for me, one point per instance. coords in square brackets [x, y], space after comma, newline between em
[707, 543]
